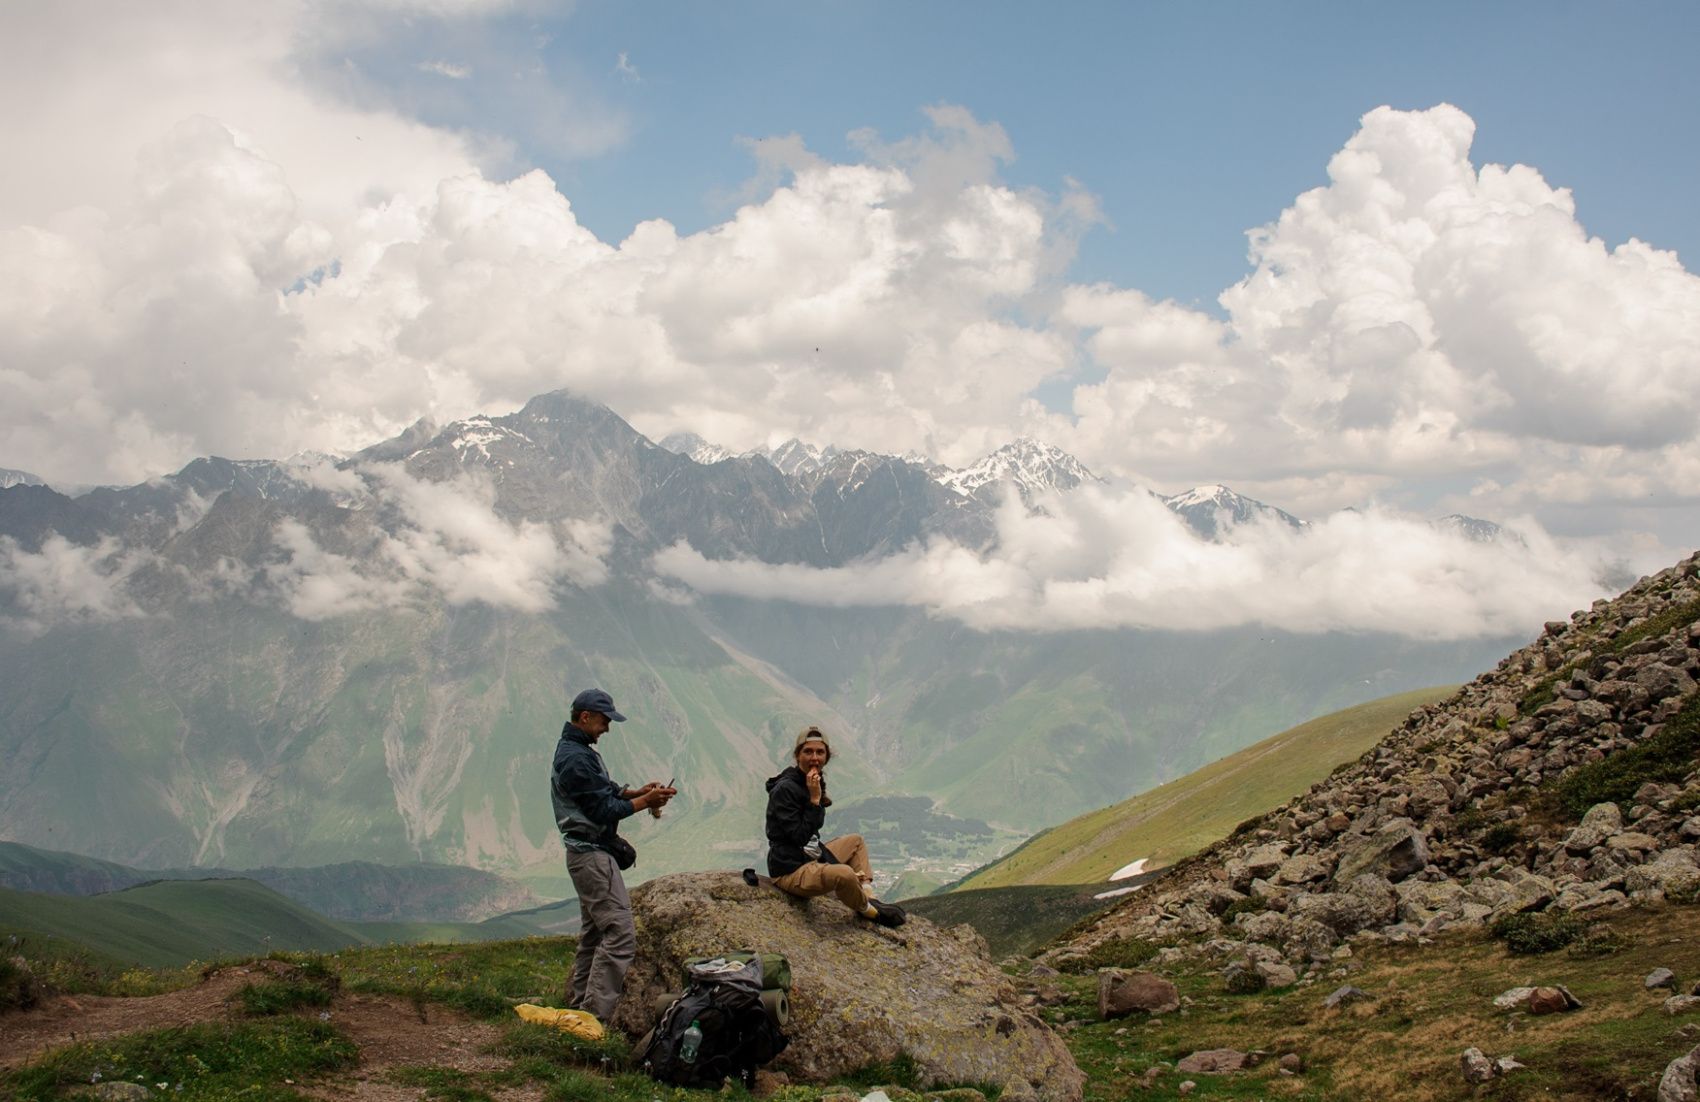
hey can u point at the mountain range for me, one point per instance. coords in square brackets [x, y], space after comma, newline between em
[258, 663]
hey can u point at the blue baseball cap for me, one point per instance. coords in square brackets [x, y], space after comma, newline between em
[595, 700]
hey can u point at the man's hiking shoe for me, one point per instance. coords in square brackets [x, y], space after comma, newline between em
[890, 914]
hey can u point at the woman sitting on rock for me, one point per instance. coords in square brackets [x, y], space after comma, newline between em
[798, 861]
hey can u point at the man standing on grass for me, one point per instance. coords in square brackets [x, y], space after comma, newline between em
[588, 809]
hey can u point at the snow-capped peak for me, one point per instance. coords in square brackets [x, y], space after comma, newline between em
[694, 448]
[1212, 494]
[10, 478]
[1212, 508]
[1030, 465]
[1474, 529]
[796, 459]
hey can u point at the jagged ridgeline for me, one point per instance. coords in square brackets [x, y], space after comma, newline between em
[1560, 786]
[266, 686]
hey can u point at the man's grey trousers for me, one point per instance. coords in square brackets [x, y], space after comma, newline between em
[606, 941]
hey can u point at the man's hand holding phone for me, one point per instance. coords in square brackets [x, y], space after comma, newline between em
[655, 796]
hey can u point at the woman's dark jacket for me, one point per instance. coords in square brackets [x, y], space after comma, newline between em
[792, 820]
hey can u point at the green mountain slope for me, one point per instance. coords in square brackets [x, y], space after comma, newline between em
[1016, 920]
[172, 922]
[352, 891]
[1181, 817]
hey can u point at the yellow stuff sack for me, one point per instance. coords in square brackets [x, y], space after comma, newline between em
[577, 1022]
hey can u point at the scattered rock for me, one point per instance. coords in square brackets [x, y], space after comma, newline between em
[1475, 1065]
[1660, 977]
[1677, 1084]
[1187, 1087]
[118, 1091]
[1120, 993]
[1504, 1065]
[1276, 976]
[1510, 1000]
[1343, 995]
[1398, 814]
[1552, 1000]
[1292, 1063]
[1218, 1061]
[1681, 1004]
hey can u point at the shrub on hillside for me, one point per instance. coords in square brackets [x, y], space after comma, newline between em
[1667, 757]
[19, 989]
[1127, 952]
[1250, 905]
[1501, 838]
[1528, 934]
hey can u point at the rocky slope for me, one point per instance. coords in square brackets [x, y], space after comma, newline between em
[1564, 780]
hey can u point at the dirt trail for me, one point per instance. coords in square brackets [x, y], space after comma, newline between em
[388, 1031]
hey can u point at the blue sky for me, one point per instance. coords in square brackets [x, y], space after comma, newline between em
[1190, 123]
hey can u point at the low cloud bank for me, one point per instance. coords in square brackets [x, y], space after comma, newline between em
[438, 540]
[1109, 558]
[449, 541]
[66, 582]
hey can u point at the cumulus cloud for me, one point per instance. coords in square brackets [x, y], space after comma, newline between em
[302, 241]
[446, 542]
[1100, 557]
[66, 583]
[1416, 317]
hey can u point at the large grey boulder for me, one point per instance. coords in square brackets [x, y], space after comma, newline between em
[1395, 851]
[1601, 822]
[1678, 1082]
[1514, 890]
[861, 994]
[1673, 872]
[1423, 900]
[1368, 901]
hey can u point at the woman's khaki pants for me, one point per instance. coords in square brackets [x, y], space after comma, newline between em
[844, 880]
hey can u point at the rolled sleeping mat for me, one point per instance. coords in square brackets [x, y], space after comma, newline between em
[777, 1005]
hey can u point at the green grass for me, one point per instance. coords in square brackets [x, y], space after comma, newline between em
[1428, 1003]
[1180, 818]
[485, 980]
[212, 1061]
[1017, 919]
[282, 996]
[65, 966]
[172, 923]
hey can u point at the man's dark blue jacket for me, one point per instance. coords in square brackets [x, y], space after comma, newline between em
[588, 804]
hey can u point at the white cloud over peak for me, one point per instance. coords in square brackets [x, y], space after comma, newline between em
[238, 237]
[1098, 557]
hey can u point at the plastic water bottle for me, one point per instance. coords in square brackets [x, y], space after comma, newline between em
[690, 1042]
